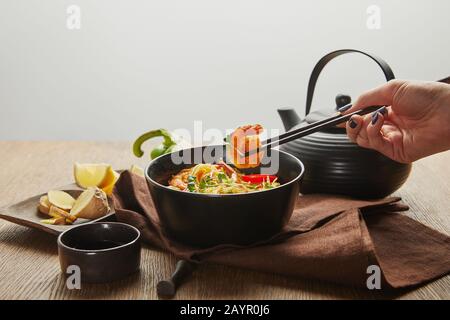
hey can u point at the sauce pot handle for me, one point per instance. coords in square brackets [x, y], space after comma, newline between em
[330, 56]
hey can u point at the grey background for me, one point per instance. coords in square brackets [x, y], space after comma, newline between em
[139, 65]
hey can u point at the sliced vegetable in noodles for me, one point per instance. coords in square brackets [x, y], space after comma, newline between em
[220, 179]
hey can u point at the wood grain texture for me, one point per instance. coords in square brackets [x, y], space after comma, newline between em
[29, 267]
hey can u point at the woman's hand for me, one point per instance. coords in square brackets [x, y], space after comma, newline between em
[414, 124]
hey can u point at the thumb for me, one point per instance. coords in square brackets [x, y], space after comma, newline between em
[379, 96]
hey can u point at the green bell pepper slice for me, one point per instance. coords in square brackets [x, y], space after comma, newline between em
[165, 147]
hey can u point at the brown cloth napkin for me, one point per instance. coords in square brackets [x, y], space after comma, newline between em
[329, 237]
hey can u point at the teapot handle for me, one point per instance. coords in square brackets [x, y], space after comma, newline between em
[330, 56]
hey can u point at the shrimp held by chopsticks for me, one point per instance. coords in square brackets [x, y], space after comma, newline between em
[243, 140]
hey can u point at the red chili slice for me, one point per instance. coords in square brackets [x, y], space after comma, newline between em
[258, 178]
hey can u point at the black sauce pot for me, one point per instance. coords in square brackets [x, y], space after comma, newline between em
[104, 251]
[334, 163]
[205, 220]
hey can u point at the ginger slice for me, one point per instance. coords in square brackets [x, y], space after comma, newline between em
[55, 221]
[44, 205]
[56, 212]
[91, 204]
[60, 199]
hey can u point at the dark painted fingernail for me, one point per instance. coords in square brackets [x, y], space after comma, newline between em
[382, 110]
[374, 117]
[345, 108]
[352, 123]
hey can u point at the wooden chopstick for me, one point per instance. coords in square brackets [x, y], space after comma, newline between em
[311, 128]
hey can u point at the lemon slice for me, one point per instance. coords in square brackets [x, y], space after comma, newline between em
[137, 170]
[109, 187]
[93, 175]
[110, 178]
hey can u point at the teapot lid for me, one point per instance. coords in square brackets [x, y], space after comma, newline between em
[324, 113]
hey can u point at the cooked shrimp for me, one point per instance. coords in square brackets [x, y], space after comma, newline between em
[243, 140]
[180, 180]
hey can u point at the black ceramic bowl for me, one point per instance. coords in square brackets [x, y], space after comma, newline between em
[205, 220]
[104, 251]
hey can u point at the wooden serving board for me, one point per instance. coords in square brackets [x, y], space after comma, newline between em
[26, 213]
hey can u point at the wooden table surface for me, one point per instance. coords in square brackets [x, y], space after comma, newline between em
[29, 267]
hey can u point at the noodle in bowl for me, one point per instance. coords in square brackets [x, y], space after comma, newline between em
[219, 215]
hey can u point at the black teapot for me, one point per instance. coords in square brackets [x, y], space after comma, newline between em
[333, 163]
